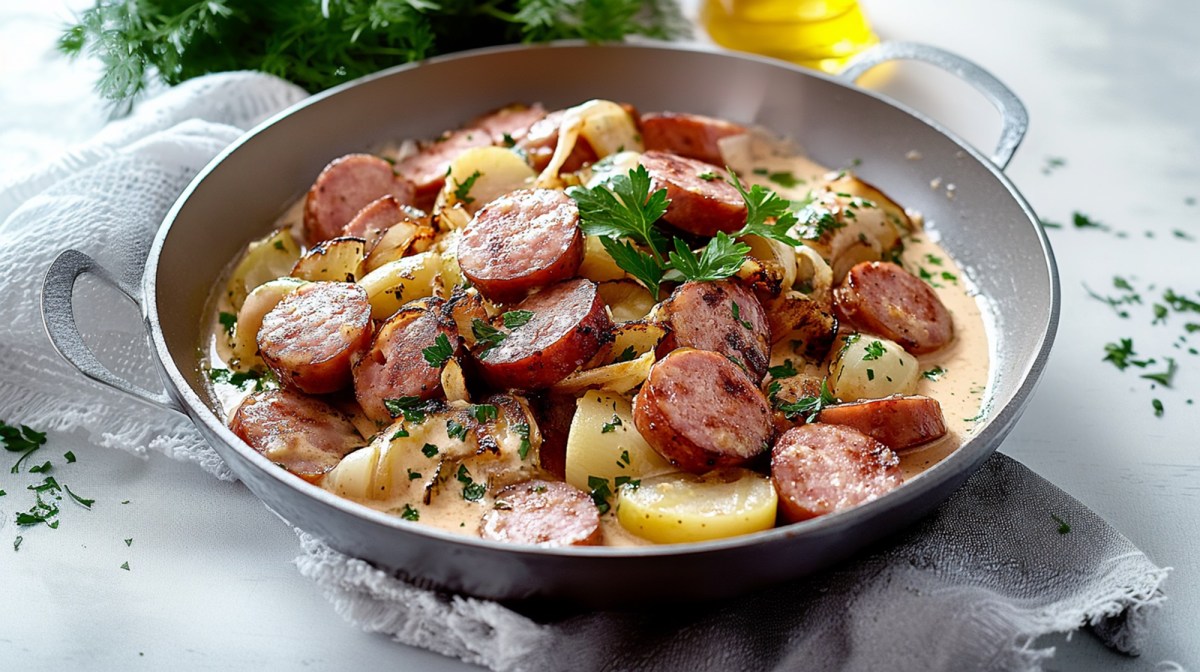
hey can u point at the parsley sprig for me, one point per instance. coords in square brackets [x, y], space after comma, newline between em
[22, 439]
[622, 213]
[810, 407]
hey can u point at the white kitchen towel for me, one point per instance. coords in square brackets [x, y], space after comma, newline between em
[970, 588]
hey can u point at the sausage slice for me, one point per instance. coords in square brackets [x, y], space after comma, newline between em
[311, 336]
[426, 169]
[306, 436]
[702, 201]
[344, 187]
[568, 326]
[510, 123]
[546, 513]
[395, 365]
[818, 469]
[882, 298]
[523, 240]
[703, 315]
[900, 423]
[700, 411]
[690, 135]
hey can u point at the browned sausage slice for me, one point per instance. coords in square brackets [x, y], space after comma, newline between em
[568, 326]
[510, 123]
[395, 365]
[546, 513]
[542, 139]
[344, 187]
[882, 298]
[818, 469]
[306, 436]
[702, 202]
[310, 338]
[900, 423]
[523, 240]
[699, 411]
[690, 135]
[427, 168]
[722, 316]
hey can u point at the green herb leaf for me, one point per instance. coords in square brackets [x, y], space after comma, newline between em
[1082, 221]
[1163, 378]
[707, 176]
[429, 450]
[86, 503]
[785, 370]
[763, 205]
[629, 353]
[522, 430]
[70, 457]
[439, 353]
[456, 430]
[125, 565]
[412, 408]
[611, 425]
[410, 513]
[785, 178]
[41, 468]
[1158, 407]
[17, 543]
[401, 433]
[259, 379]
[720, 258]
[129, 542]
[516, 318]
[472, 491]
[600, 491]
[1063, 527]
[873, 352]
[484, 412]
[228, 321]
[809, 407]
[934, 374]
[623, 209]
[645, 268]
[487, 335]
[737, 316]
[21, 439]
[463, 191]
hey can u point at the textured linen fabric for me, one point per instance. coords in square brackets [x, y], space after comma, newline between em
[971, 587]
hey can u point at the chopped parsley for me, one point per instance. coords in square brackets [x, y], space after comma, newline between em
[259, 379]
[934, 374]
[627, 480]
[463, 191]
[1063, 527]
[874, 351]
[600, 491]
[707, 176]
[629, 353]
[516, 318]
[487, 335]
[1053, 162]
[439, 353]
[429, 450]
[410, 513]
[17, 543]
[70, 457]
[401, 433]
[22, 439]
[809, 407]
[228, 321]
[1082, 221]
[413, 475]
[484, 412]
[1121, 355]
[1158, 407]
[472, 491]
[41, 468]
[125, 565]
[86, 503]
[785, 370]
[785, 178]
[737, 316]
[509, 141]
[456, 430]
[522, 430]
[1163, 378]
[412, 408]
[611, 425]
[129, 542]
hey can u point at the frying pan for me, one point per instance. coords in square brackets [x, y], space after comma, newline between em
[987, 227]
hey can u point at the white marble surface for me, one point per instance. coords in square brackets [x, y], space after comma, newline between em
[1112, 87]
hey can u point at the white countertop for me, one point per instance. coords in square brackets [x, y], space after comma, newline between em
[1112, 88]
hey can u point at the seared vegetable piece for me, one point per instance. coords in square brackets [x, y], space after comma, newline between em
[681, 508]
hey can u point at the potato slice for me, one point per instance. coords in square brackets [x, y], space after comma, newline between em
[336, 260]
[608, 128]
[481, 174]
[680, 508]
[249, 319]
[398, 282]
[779, 253]
[603, 445]
[271, 257]
[870, 367]
[598, 265]
[454, 382]
[627, 300]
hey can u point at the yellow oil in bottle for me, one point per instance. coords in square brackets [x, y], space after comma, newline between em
[821, 34]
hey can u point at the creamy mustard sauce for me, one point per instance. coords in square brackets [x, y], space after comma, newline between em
[960, 387]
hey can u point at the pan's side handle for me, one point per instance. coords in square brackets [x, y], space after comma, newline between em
[58, 314]
[1014, 118]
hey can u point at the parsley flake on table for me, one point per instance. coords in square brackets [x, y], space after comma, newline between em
[1063, 527]
[1164, 378]
[23, 439]
[1157, 405]
[125, 565]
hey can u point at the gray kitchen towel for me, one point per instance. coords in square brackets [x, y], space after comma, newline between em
[972, 587]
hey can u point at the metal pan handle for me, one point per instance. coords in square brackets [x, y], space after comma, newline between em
[1014, 119]
[58, 314]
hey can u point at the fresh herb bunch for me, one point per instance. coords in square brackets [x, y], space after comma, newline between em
[320, 43]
